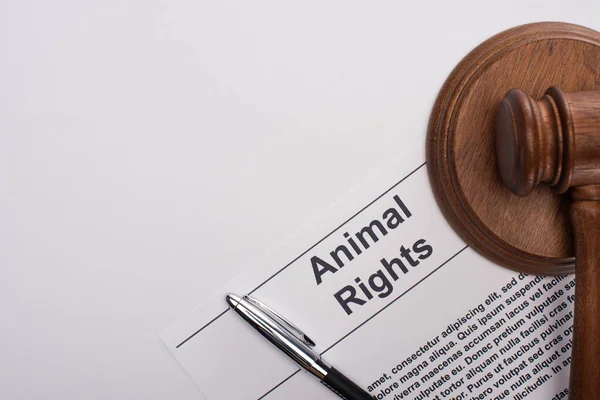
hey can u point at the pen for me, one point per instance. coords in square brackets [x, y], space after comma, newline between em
[290, 340]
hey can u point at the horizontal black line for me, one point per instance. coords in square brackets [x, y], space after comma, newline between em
[281, 383]
[373, 316]
[198, 331]
[309, 249]
[335, 230]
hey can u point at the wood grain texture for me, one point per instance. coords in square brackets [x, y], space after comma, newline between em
[553, 141]
[502, 191]
[531, 234]
[556, 142]
[584, 382]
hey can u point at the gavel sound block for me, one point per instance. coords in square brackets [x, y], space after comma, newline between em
[513, 155]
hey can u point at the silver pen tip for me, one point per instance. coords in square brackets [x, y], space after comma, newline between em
[233, 300]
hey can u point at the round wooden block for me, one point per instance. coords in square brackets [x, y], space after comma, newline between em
[530, 234]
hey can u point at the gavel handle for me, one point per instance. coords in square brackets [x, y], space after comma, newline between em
[585, 359]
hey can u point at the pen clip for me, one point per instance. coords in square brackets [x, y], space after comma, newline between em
[293, 329]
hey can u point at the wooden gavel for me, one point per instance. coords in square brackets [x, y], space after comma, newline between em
[556, 141]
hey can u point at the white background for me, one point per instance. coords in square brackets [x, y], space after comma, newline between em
[152, 150]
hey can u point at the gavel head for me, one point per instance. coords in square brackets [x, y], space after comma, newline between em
[555, 140]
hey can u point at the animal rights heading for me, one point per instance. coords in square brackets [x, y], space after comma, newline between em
[381, 282]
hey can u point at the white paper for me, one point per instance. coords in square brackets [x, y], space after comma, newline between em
[448, 284]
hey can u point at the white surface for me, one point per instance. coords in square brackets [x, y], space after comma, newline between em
[149, 151]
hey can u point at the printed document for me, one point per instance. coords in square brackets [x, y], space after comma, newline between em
[396, 301]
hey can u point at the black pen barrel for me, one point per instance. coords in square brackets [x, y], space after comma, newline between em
[344, 387]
